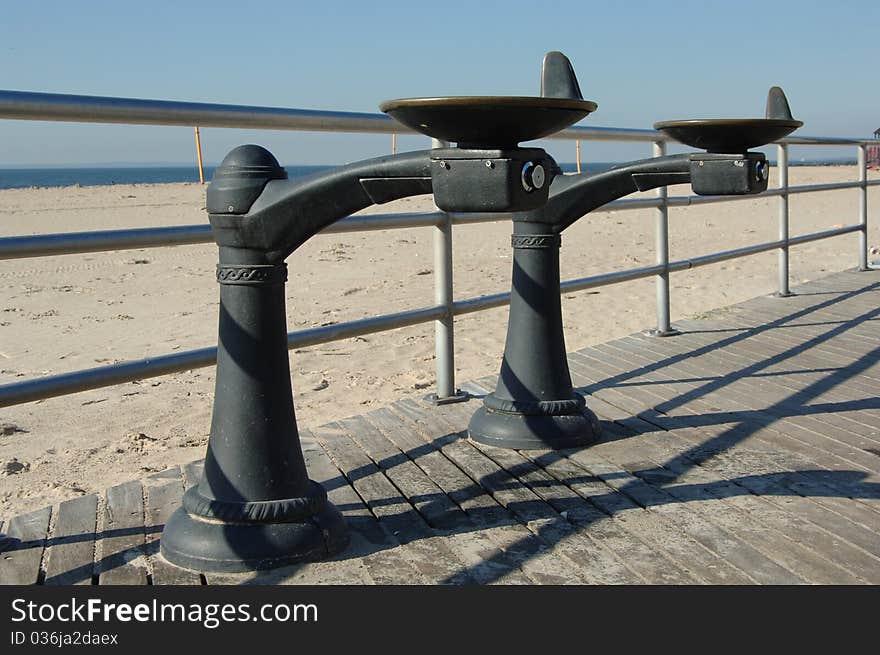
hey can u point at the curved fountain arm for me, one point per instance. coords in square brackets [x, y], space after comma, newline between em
[573, 196]
[289, 212]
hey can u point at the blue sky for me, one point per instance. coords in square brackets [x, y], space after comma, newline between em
[640, 61]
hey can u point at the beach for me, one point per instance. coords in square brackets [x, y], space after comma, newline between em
[65, 313]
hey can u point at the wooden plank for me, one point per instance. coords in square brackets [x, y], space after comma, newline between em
[428, 498]
[740, 513]
[192, 473]
[849, 315]
[815, 441]
[770, 349]
[825, 345]
[370, 541]
[480, 507]
[511, 543]
[659, 395]
[807, 306]
[26, 536]
[535, 546]
[812, 544]
[830, 351]
[834, 341]
[339, 570]
[781, 393]
[845, 374]
[752, 411]
[749, 472]
[757, 314]
[173, 473]
[163, 497]
[486, 562]
[71, 555]
[633, 545]
[626, 537]
[823, 486]
[473, 389]
[649, 525]
[843, 533]
[816, 455]
[431, 555]
[733, 559]
[831, 402]
[818, 350]
[700, 521]
[593, 562]
[122, 560]
[602, 386]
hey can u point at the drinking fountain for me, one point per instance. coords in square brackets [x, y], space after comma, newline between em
[534, 405]
[255, 506]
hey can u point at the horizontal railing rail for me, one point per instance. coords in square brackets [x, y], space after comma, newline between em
[71, 243]
[42, 106]
[27, 105]
[105, 376]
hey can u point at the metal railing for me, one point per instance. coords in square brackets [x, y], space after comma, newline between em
[54, 107]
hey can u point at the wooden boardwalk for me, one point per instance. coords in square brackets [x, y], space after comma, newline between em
[746, 450]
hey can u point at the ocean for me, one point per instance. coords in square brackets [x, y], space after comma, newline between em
[24, 178]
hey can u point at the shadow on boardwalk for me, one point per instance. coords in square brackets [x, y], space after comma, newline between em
[743, 451]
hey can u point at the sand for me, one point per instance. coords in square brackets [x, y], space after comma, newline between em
[60, 314]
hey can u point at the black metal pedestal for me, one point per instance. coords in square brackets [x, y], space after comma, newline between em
[534, 405]
[255, 506]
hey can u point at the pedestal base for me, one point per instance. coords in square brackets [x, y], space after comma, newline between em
[210, 545]
[458, 397]
[654, 332]
[534, 432]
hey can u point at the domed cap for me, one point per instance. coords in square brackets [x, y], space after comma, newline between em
[240, 179]
[250, 157]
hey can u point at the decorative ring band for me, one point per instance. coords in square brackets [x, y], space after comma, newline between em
[286, 510]
[252, 274]
[536, 240]
[574, 405]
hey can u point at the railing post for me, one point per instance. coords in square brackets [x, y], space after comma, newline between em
[782, 165]
[863, 208]
[661, 246]
[444, 334]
